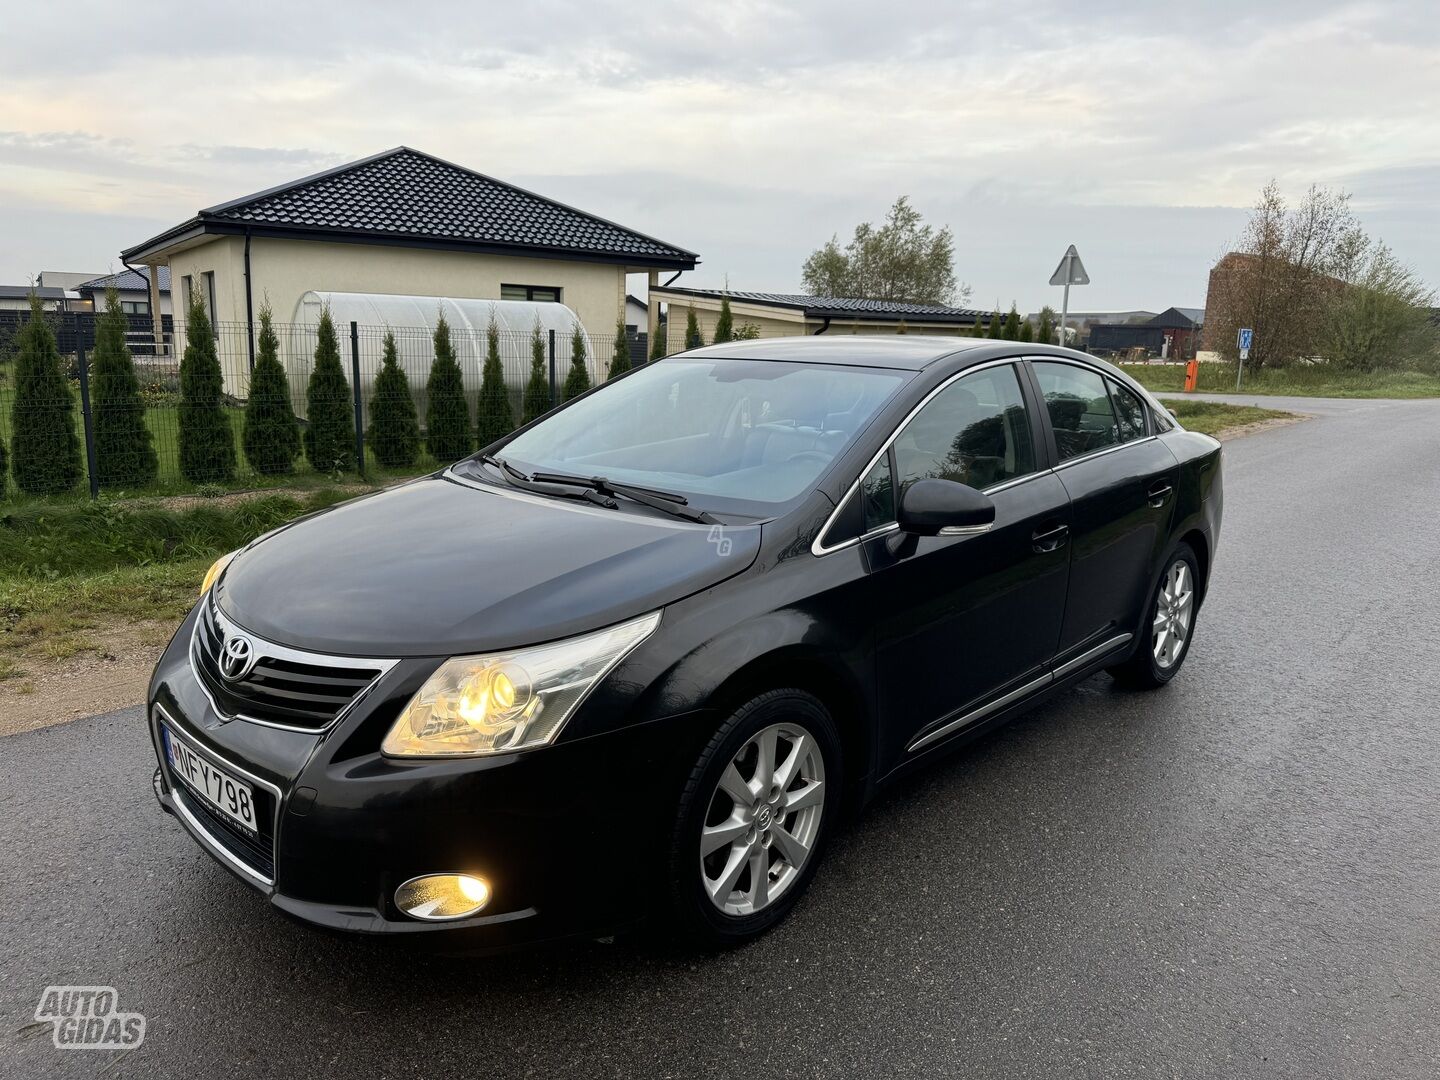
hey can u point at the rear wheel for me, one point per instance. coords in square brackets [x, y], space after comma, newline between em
[1168, 627]
[754, 816]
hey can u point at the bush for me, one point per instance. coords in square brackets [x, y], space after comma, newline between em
[329, 414]
[44, 448]
[725, 325]
[447, 417]
[394, 427]
[693, 340]
[537, 390]
[494, 418]
[124, 454]
[271, 436]
[207, 441]
[659, 345]
[620, 362]
[578, 380]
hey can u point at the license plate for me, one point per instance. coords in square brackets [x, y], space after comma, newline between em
[231, 797]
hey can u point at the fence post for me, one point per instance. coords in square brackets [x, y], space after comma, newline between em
[87, 417]
[355, 389]
[552, 369]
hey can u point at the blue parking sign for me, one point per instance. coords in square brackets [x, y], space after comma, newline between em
[1246, 337]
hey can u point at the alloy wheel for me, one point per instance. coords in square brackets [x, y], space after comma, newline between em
[1174, 610]
[763, 819]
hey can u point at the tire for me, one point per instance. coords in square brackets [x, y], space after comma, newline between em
[799, 817]
[1155, 661]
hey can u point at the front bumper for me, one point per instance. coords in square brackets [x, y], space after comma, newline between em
[568, 836]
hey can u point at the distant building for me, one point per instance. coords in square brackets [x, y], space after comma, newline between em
[1174, 334]
[786, 314]
[17, 297]
[637, 315]
[134, 290]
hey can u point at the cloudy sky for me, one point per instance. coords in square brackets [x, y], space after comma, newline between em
[747, 131]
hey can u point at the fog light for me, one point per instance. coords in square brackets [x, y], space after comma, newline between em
[442, 896]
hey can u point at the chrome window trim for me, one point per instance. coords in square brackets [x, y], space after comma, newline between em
[268, 649]
[207, 840]
[1090, 455]
[818, 548]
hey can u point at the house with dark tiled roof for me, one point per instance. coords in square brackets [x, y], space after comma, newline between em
[784, 314]
[402, 222]
[133, 289]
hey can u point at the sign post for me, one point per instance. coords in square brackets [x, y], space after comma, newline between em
[1071, 271]
[1244, 340]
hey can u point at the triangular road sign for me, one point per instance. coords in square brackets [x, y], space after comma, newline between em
[1071, 270]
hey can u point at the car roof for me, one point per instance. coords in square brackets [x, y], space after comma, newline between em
[907, 352]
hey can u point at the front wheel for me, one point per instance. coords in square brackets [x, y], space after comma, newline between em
[1168, 627]
[753, 817]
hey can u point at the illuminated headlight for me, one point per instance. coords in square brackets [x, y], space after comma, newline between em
[499, 702]
[216, 569]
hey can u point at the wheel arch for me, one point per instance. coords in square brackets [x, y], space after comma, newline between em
[1201, 546]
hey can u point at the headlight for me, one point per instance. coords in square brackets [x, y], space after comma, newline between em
[216, 569]
[499, 702]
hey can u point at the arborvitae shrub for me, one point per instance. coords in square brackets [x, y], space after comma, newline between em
[207, 439]
[447, 417]
[493, 416]
[620, 362]
[578, 379]
[44, 447]
[4, 467]
[272, 435]
[394, 426]
[725, 325]
[693, 340]
[537, 390]
[997, 325]
[329, 411]
[1012, 325]
[659, 346]
[1026, 333]
[124, 450]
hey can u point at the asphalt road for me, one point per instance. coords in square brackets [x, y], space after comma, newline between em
[1237, 876]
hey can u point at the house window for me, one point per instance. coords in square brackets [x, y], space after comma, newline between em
[187, 286]
[209, 277]
[550, 293]
[135, 307]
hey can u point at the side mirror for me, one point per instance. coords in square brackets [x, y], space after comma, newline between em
[944, 508]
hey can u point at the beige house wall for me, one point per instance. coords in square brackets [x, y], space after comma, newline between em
[284, 270]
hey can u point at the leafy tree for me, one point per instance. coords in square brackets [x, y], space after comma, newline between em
[272, 435]
[693, 340]
[207, 439]
[997, 325]
[746, 331]
[1012, 325]
[725, 325]
[330, 414]
[620, 362]
[124, 449]
[394, 434]
[447, 416]
[44, 449]
[1382, 317]
[903, 259]
[578, 380]
[537, 390]
[495, 417]
[659, 344]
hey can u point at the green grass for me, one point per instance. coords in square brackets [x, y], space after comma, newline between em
[67, 570]
[1213, 417]
[1314, 380]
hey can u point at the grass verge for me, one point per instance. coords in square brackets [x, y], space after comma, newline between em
[1214, 417]
[1308, 381]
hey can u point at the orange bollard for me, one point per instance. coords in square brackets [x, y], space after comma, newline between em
[1192, 376]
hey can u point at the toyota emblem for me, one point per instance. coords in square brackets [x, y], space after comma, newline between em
[237, 657]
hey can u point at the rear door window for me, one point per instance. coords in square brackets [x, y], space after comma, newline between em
[1129, 412]
[1079, 407]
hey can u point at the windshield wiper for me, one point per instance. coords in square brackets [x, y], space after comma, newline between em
[515, 478]
[667, 501]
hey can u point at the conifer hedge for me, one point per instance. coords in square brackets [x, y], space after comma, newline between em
[447, 416]
[271, 436]
[207, 440]
[124, 448]
[537, 390]
[329, 412]
[693, 340]
[620, 362]
[578, 379]
[394, 427]
[494, 418]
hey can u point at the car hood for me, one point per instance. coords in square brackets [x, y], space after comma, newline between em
[437, 567]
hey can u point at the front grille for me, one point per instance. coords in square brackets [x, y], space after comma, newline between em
[284, 686]
[256, 852]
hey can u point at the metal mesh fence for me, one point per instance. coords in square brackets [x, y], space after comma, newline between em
[82, 431]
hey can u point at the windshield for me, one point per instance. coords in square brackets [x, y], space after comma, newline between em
[743, 435]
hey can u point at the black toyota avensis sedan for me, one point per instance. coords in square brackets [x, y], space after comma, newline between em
[638, 658]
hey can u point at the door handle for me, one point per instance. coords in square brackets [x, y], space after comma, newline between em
[1159, 493]
[1049, 539]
